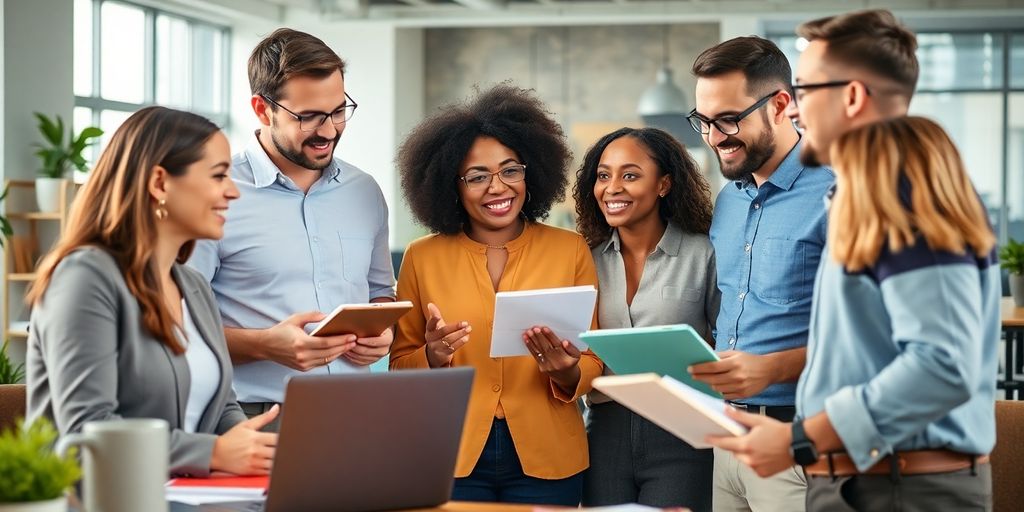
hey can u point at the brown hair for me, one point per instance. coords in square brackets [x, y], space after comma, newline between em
[897, 180]
[872, 40]
[761, 61]
[687, 204]
[286, 54]
[114, 210]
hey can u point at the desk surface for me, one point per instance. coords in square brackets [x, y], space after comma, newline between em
[1012, 315]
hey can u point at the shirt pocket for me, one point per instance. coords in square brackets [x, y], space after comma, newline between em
[355, 258]
[780, 274]
[680, 293]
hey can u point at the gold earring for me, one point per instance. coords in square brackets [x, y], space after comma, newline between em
[161, 209]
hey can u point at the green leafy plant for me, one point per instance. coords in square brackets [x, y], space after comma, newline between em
[1011, 257]
[9, 372]
[5, 225]
[29, 468]
[58, 156]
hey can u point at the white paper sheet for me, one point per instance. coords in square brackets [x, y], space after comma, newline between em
[567, 311]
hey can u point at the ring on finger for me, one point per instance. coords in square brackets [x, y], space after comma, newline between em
[447, 345]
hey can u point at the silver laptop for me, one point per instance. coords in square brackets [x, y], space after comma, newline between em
[367, 442]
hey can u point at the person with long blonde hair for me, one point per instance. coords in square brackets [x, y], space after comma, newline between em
[901, 364]
[120, 328]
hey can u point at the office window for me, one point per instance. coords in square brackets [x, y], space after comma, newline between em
[128, 56]
[972, 83]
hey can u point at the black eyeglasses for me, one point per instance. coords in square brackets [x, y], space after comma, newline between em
[800, 90]
[314, 120]
[728, 125]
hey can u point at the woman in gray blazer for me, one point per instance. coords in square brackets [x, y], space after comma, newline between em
[645, 209]
[120, 327]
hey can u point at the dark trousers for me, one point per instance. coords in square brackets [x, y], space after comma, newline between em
[498, 477]
[252, 409]
[965, 489]
[635, 461]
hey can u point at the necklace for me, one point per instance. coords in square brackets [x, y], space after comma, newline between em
[497, 247]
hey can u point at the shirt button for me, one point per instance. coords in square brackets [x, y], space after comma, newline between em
[316, 239]
[732, 341]
[495, 388]
[746, 248]
[757, 205]
[320, 284]
[742, 295]
[874, 453]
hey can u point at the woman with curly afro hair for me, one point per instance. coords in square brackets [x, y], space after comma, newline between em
[645, 208]
[479, 175]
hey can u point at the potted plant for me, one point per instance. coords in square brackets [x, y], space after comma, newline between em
[34, 478]
[12, 391]
[1011, 256]
[58, 157]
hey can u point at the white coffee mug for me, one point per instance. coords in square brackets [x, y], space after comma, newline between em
[125, 464]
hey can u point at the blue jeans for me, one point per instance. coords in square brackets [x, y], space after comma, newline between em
[498, 477]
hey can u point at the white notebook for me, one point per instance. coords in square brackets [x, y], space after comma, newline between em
[567, 311]
[688, 414]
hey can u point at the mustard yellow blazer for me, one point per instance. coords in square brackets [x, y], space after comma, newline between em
[451, 272]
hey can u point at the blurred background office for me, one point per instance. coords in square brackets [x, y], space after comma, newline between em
[598, 64]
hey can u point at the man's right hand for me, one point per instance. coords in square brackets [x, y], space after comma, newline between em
[288, 344]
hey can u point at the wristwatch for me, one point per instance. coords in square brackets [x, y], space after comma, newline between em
[801, 448]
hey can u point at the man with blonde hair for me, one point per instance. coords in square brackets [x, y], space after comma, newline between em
[895, 406]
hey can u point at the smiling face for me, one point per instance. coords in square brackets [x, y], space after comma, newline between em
[197, 200]
[302, 95]
[743, 153]
[629, 184]
[819, 111]
[494, 205]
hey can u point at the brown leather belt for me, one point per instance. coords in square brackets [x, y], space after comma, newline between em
[917, 462]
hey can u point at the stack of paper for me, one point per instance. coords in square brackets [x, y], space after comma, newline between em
[196, 491]
[566, 311]
[688, 414]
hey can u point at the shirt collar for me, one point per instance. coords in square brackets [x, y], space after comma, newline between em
[785, 174]
[670, 242]
[265, 172]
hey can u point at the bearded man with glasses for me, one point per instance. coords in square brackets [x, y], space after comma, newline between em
[768, 231]
[309, 232]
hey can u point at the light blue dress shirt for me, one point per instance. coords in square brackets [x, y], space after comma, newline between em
[286, 252]
[903, 356]
[768, 241]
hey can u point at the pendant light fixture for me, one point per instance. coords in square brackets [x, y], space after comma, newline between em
[663, 105]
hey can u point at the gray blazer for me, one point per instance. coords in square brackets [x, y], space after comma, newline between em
[90, 358]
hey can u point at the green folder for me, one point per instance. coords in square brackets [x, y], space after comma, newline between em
[662, 349]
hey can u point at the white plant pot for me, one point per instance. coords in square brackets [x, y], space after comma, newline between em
[54, 505]
[48, 193]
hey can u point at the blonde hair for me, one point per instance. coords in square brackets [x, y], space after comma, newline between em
[896, 180]
[114, 211]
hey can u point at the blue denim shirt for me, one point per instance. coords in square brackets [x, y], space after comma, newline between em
[768, 242]
[287, 252]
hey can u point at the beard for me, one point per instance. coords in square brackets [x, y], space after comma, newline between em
[297, 157]
[758, 152]
[809, 155]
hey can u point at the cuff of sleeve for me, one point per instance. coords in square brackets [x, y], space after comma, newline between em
[590, 368]
[851, 419]
[195, 460]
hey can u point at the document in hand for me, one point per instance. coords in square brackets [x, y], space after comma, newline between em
[363, 320]
[685, 412]
[662, 349]
[567, 311]
[196, 491]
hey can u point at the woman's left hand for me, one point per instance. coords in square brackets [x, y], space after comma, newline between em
[556, 357]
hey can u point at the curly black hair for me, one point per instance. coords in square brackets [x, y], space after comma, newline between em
[687, 205]
[430, 157]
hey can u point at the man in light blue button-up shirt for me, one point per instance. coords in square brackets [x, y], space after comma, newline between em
[309, 232]
[768, 232]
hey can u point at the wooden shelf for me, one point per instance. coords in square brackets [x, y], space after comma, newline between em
[21, 276]
[34, 216]
[17, 334]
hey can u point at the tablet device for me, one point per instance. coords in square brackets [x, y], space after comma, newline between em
[363, 320]
[663, 349]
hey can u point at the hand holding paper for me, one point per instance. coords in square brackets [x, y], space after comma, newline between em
[566, 311]
[556, 357]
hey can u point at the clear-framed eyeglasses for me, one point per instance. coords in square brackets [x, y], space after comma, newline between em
[508, 175]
